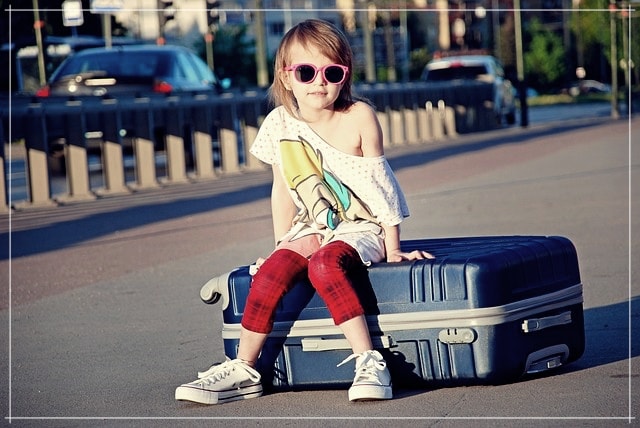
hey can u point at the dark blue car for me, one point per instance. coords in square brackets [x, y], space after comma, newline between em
[135, 69]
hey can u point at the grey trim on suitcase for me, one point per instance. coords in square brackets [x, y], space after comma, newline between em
[447, 319]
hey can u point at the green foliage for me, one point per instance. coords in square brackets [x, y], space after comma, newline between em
[418, 58]
[544, 60]
[233, 56]
[591, 26]
[507, 53]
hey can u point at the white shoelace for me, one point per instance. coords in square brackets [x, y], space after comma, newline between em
[218, 372]
[367, 367]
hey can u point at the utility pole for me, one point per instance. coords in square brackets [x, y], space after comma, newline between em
[615, 113]
[388, 40]
[405, 43]
[519, 55]
[495, 20]
[522, 86]
[261, 47]
[213, 20]
[106, 29]
[626, 53]
[166, 13]
[368, 16]
[37, 25]
[444, 32]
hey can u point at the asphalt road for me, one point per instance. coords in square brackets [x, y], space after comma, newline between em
[105, 318]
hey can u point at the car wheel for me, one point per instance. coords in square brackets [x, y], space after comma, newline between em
[497, 119]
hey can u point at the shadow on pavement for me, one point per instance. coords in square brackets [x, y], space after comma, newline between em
[66, 233]
[607, 330]
[488, 140]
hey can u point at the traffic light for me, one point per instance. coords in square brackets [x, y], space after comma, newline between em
[166, 12]
[213, 15]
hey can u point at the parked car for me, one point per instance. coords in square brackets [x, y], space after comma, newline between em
[482, 68]
[131, 70]
[588, 87]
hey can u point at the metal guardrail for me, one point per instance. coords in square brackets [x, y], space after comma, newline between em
[204, 136]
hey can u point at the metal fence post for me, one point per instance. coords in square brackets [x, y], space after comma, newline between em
[174, 141]
[250, 124]
[448, 118]
[112, 157]
[421, 113]
[229, 137]
[75, 153]
[203, 134]
[37, 148]
[143, 146]
[437, 129]
[396, 115]
[410, 114]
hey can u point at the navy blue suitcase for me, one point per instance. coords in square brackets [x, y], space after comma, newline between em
[485, 310]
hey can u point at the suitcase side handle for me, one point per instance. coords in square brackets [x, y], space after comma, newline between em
[312, 344]
[537, 324]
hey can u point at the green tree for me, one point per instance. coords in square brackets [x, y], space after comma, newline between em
[544, 60]
[591, 30]
[507, 47]
[418, 58]
[233, 55]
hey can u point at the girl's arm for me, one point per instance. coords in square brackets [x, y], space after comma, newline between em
[392, 246]
[283, 210]
[364, 117]
[372, 146]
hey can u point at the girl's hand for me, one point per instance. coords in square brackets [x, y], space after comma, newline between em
[254, 267]
[398, 255]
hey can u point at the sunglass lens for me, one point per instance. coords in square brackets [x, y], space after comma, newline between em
[305, 73]
[334, 74]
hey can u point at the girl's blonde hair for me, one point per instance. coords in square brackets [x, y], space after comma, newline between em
[331, 43]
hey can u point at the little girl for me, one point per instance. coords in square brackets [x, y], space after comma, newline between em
[336, 205]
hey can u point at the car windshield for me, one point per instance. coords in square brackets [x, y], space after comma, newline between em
[142, 64]
[457, 72]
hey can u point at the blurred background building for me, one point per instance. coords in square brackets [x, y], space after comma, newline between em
[561, 40]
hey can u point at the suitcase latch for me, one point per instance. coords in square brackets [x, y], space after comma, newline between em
[457, 335]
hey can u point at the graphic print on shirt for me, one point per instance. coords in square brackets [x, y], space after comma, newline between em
[326, 199]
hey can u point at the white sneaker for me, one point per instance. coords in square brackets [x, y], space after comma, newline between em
[230, 381]
[372, 380]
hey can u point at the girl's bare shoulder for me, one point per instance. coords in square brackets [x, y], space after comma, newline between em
[365, 123]
[362, 113]
[362, 109]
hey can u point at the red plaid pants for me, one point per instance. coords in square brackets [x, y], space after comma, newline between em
[327, 270]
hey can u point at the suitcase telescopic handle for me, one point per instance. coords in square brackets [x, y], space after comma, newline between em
[215, 289]
[314, 344]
